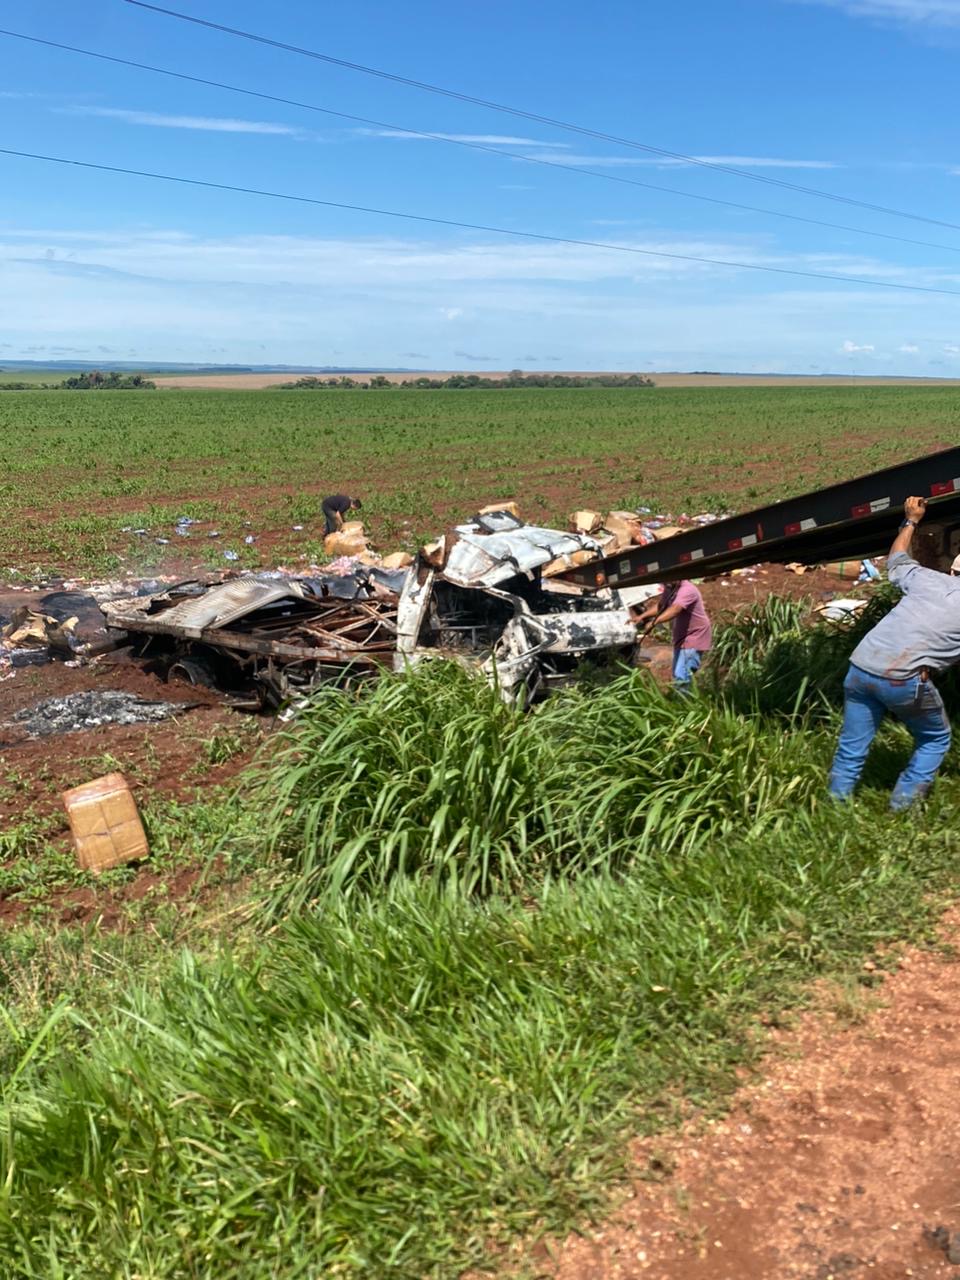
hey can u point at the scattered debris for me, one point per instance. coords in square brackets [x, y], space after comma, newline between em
[28, 629]
[91, 709]
[31, 638]
[844, 610]
[948, 1241]
[106, 827]
[476, 595]
[853, 570]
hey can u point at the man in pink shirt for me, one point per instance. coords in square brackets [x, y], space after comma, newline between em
[682, 604]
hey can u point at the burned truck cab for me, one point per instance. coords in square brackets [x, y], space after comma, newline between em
[481, 600]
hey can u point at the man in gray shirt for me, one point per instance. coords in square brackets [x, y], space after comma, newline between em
[890, 671]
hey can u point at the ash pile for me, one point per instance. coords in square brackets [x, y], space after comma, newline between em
[89, 710]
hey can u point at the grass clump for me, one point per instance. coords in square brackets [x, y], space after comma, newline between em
[433, 774]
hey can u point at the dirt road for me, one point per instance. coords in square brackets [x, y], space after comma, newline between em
[840, 1160]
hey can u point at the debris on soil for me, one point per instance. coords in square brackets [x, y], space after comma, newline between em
[29, 630]
[945, 1239]
[478, 598]
[90, 710]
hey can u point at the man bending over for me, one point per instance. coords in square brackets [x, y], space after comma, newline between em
[890, 670]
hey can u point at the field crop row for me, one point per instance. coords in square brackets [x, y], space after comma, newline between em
[78, 468]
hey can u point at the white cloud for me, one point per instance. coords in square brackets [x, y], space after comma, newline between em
[851, 348]
[210, 124]
[173, 294]
[766, 162]
[666, 162]
[951, 349]
[486, 139]
[908, 349]
[916, 13]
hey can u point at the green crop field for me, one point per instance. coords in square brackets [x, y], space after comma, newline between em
[76, 468]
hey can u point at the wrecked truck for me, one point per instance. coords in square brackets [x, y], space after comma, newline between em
[478, 598]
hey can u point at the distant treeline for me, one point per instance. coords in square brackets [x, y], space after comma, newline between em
[87, 382]
[468, 381]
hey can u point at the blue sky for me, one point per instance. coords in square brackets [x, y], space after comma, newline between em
[855, 97]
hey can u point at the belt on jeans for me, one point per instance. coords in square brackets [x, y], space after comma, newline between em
[923, 675]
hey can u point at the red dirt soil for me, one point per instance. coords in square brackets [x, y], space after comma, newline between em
[838, 1160]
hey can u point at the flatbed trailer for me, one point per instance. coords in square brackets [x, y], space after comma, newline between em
[846, 521]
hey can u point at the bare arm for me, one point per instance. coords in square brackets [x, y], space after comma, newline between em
[652, 615]
[671, 612]
[914, 510]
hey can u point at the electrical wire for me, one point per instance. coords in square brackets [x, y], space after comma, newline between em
[475, 146]
[539, 119]
[476, 226]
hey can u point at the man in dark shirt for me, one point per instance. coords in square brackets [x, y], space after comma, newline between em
[336, 507]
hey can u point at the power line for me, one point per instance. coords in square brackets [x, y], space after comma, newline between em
[540, 119]
[477, 226]
[475, 146]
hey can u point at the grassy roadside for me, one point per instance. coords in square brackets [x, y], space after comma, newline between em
[437, 1031]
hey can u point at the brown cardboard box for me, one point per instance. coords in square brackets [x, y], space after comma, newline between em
[342, 543]
[105, 824]
[571, 561]
[433, 553]
[844, 569]
[398, 560]
[668, 531]
[500, 506]
[586, 521]
[625, 525]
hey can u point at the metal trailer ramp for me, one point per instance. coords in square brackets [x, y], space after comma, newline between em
[841, 522]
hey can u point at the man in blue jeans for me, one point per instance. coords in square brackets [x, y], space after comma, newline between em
[682, 604]
[890, 671]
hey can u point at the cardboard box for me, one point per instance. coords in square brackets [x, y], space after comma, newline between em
[511, 507]
[849, 569]
[586, 521]
[668, 531]
[105, 824]
[343, 543]
[625, 525]
[398, 560]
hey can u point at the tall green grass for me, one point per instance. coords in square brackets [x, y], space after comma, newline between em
[433, 774]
